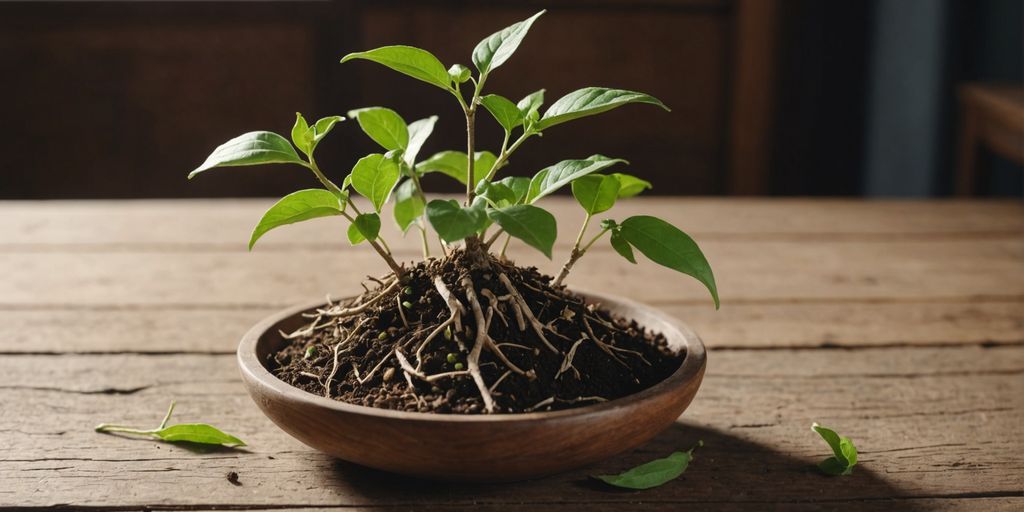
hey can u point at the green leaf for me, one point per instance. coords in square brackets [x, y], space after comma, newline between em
[419, 131]
[506, 113]
[414, 62]
[252, 148]
[197, 433]
[453, 163]
[296, 207]
[531, 103]
[459, 73]
[630, 186]
[324, 126]
[408, 204]
[622, 247]
[302, 136]
[364, 227]
[519, 185]
[374, 176]
[184, 432]
[494, 50]
[652, 474]
[556, 176]
[590, 101]
[596, 193]
[666, 245]
[453, 222]
[531, 224]
[384, 126]
[844, 453]
[498, 195]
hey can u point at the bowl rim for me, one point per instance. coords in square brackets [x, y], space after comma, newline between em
[250, 365]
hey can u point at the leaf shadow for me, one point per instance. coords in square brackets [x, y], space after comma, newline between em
[729, 472]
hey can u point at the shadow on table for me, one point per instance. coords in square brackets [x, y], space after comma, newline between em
[727, 473]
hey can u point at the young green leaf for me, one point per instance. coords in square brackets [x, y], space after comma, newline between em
[844, 454]
[366, 226]
[494, 50]
[531, 103]
[556, 176]
[408, 204]
[531, 224]
[590, 101]
[453, 164]
[184, 432]
[520, 186]
[666, 245]
[384, 126]
[459, 73]
[415, 62]
[296, 207]
[374, 176]
[621, 246]
[419, 131]
[654, 473]
[596, 193]
[506, 113]
[453, 222]
[497, 194]
[630, 186]
[302, 136]
[252, 148]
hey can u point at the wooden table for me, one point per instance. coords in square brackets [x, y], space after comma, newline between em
[901, 324]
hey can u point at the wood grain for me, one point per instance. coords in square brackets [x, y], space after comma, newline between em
[907, 410]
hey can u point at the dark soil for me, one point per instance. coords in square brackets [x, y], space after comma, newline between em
[337, 350]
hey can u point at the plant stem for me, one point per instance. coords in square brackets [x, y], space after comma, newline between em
[504, 246]
[577, 251]
[422, 220]
[395, 267]
[167, 417]
[328, 184]
[505, 153]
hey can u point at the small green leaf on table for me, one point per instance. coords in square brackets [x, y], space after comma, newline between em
[415, 62]
[183, 432]
[296, 207]
[533, 225]
[652, 474]
[252, 148]
[844, 454]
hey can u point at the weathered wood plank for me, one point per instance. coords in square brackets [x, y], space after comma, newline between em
[929, 423]
[225, 224]
[746, 271]
[160, 330]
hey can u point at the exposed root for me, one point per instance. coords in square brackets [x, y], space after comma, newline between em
[401, 311]
[335, 349]
[500, 379]
[364, 380]
[298, 333]
[609, 348]
[410, 370]
[433, 334]
[542, 403]
[456, 307]
[362, 307]
[538, 327]
[567, 363]
[473, 361]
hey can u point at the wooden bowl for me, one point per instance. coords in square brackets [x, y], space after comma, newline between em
[483, 448]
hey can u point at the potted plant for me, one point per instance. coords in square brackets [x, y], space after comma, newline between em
[465, 365]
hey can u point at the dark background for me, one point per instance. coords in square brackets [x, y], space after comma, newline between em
[798, 97]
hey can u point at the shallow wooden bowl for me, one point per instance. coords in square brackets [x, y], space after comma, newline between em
[487, 448]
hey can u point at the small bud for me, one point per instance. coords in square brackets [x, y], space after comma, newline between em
[407, 305]
[448, 333]
[310, 352]
[382, 336]
[407, 290]
[435, 389]
[452, 358]
[459, 366]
